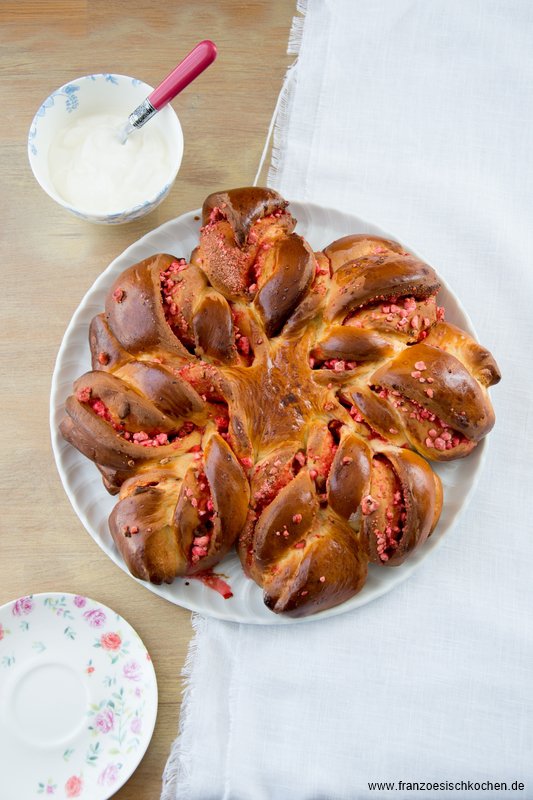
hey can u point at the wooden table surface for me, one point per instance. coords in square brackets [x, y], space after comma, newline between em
[49, 259]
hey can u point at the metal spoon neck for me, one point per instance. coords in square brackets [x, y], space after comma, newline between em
[142, 114]
[137, 119]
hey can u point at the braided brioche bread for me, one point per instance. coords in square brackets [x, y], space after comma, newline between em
[278, 399]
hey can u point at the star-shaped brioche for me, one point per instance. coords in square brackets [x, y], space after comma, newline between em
[280, 400]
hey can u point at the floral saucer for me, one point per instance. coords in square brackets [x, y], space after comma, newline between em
[78, 698]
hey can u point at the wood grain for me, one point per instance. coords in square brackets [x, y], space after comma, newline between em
[49, 259]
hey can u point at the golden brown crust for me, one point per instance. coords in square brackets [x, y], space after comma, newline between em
[239, 227]
[134, 311]
[308, 548]
[230, 492]
[423, 379]
[452, 339]
[383, 274]
[106, 351]
[408, 498]
[352, 344]
[273, 397]
[290, 267]
[163, 386]
[143, 529]
[298, 589]
[103, 407]
[355, 246]
[183, 521]
[242, 207]
[349, 478]
[213, 329]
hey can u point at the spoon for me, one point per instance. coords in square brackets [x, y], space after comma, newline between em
[187, 70]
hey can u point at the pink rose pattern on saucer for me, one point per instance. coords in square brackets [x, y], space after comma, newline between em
[117, 671]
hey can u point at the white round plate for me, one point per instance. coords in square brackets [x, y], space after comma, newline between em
[82, 480]
[78, 698]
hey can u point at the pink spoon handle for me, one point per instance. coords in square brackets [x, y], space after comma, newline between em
[192, 65]
[187, 70]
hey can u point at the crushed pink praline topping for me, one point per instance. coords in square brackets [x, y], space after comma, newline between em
[143, 438]
[84, 394]
[369, 505]
[243, 345]
[215, 582]
[356, 414]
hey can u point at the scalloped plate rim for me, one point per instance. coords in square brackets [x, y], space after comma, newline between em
[471, 467]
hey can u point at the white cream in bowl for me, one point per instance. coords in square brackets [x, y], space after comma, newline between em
[92, 170]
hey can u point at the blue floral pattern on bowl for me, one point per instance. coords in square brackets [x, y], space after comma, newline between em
[75, 98]
[71, 104]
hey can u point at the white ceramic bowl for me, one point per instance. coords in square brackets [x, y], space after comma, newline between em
[100, 94]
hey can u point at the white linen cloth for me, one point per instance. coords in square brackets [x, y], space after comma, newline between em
[416, 115]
